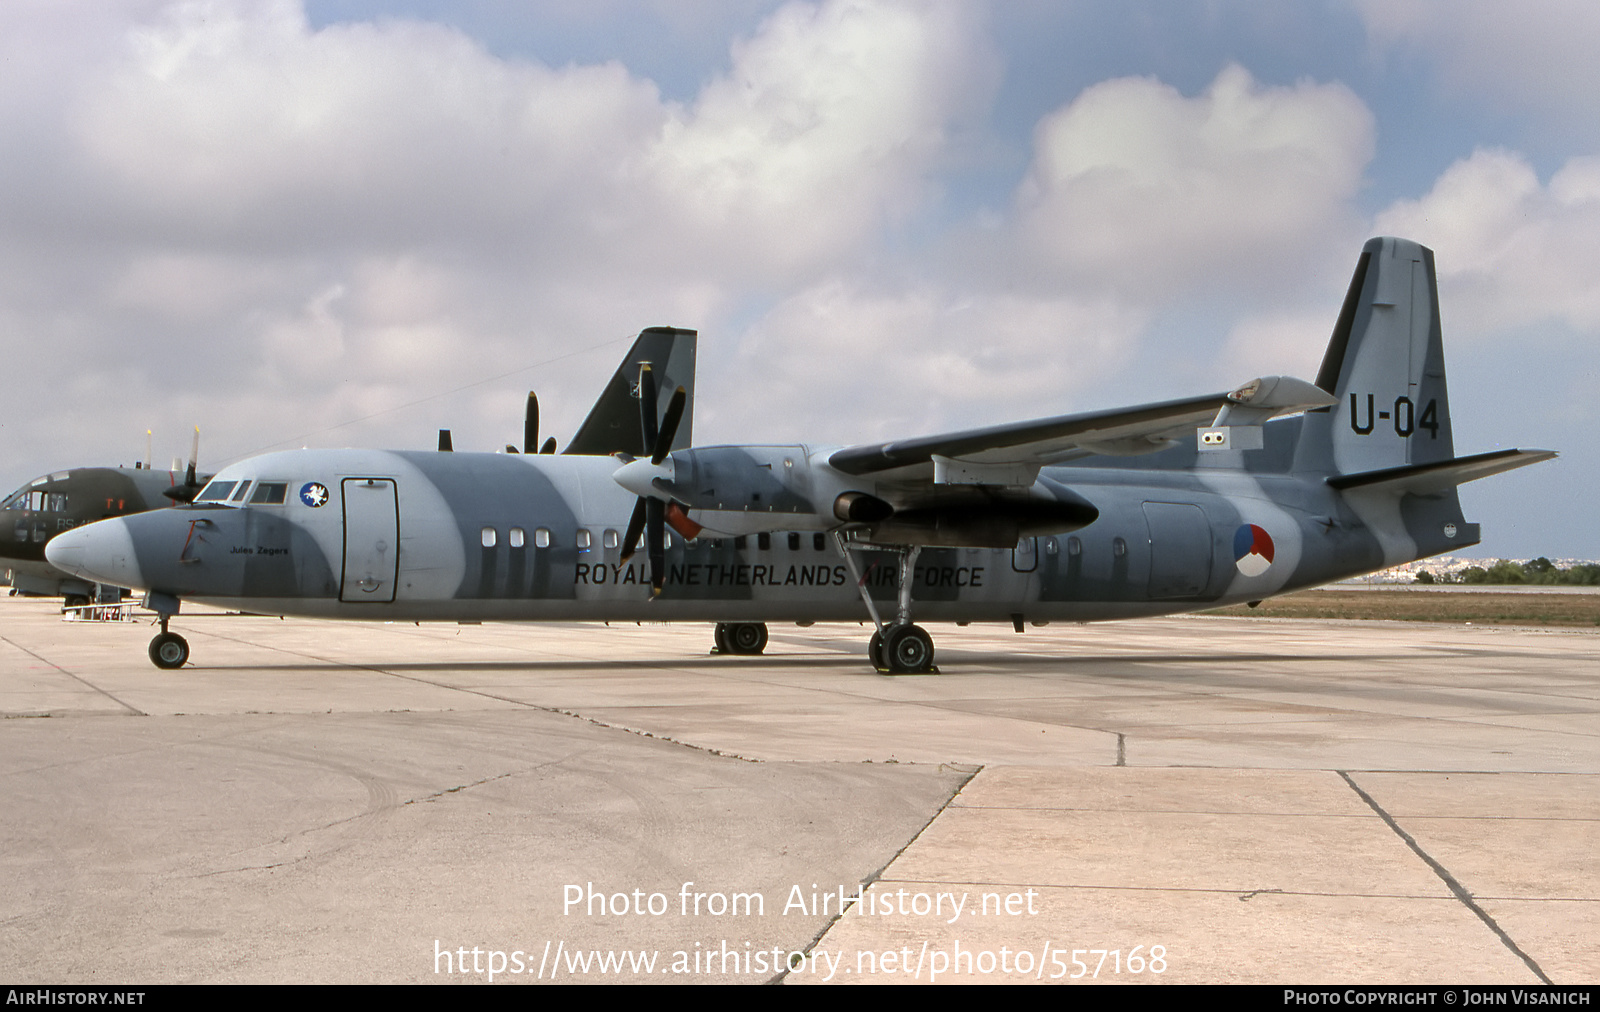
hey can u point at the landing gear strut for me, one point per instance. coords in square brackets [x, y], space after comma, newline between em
[740, 637]
[168, 650]
[899, 648]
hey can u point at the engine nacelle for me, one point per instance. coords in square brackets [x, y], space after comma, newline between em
[733, 490]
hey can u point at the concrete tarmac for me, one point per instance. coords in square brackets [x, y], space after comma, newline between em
[1176, 800]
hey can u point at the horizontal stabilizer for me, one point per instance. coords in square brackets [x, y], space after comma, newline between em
[1421, 479]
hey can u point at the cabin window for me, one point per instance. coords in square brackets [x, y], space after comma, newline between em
[269, 493]
[585, 539]
[740, 543]
[541, 537]
[819, 541]
[1074, 546]
[611, 539]
[1050, 546]
[794, 538]
[1119, 547]
[488, 537]
[514, 537]
[764, 541]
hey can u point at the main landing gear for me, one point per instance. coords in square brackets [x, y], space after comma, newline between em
[899, 648]
[168, 650]
[740, 637]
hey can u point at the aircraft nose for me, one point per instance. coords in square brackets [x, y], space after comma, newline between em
[102, 552]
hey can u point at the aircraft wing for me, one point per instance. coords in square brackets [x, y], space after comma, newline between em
[1015, 449]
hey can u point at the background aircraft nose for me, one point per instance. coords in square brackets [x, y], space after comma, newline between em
[102, 552]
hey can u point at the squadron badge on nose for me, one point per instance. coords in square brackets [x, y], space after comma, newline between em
[314, 494]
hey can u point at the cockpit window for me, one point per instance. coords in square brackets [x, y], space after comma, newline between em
[216, 491]
[269, 493]
[244, 486]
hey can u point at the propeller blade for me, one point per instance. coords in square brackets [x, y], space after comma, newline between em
[655, 541]
[647, 406]
[194, 457]
[445, 445]
[662, 445]
[530, 424]
[549, 445]
[635, 528]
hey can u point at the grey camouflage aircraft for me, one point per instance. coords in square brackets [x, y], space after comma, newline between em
[1167, 507]
[62, 500]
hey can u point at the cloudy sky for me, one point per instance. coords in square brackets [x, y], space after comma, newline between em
[354, 222]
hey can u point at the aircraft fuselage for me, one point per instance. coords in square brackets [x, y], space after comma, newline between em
[366, 534]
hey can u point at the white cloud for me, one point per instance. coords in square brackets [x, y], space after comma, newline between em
[1537, 56]
[828, 127]
[1510, 252]
[858, 364]
[256, 221]
[1278, 344]
[230, 122]
[1139, 187]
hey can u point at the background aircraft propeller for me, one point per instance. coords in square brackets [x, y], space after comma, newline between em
[650, 513]
[191, 486]
[530, 430]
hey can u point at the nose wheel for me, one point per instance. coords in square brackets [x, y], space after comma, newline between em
[169, 650]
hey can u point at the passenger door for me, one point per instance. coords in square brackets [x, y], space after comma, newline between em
[371, 540]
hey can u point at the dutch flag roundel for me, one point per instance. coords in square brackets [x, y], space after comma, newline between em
[1252, 550]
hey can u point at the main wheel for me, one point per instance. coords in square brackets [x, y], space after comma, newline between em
[746, 637]
[169, 650]
[909, 650]
[875, 651]
[719, 639]
[71, 601]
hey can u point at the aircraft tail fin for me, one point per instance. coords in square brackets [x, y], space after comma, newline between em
[1385, 367]
[1385, 443]
[613, 424]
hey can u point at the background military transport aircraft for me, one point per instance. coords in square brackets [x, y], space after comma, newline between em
[1167, 507]
[62, 500]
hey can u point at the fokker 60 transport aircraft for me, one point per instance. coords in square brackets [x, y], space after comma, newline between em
[1167, 507]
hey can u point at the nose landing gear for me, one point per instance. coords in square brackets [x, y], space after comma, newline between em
[168, 650]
